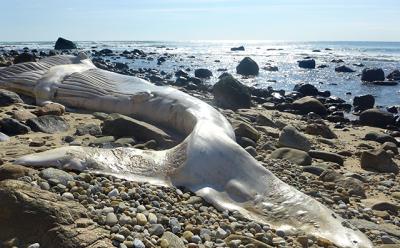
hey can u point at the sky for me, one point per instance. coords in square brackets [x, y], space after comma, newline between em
[296, 20]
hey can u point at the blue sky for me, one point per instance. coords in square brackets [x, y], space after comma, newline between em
[315, 20]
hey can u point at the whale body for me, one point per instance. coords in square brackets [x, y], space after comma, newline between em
[208, 161]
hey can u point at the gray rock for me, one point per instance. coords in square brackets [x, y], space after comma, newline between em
[390, 146]
[12, 127]
[8, 98]
[48, 124]
[173, 240]
[113, 192]
[231, 94]
[61, 176]
[321, 130]
[247, 67]
[251, 150]
[293, 155]
[383, 227]
[174, 225]
[327, 156]
[292, 138]
[243, 129]
[309, 104]
[380, 137]
[111, 219]
[376, 118]
[137, 243]
[156, 229]
[379, 161]
[91, 129]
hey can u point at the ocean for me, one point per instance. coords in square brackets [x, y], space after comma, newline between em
[216, 55]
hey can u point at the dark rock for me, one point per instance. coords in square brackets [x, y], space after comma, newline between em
[48, 124]
[12, 171]
[394, 75]
[390, 146]
[243, 129]
[379, 161]
[316, 170]
[245, 142]
[106, 51]
[271, 68]
[240, 48]
[385, 83]
[8, 98]
[64, 44]
[203, 73]
[24, 57]
[91, 129]
[321, 130]
[247, 67]
[380, 137]
[376, 118]
[308, 104]
[181, 73]
[121, 66]
[292, 138]
[307, 64]
[337, 61]
[372, 74]
[363, 102]
[12, 127]
[40, 216]
[327, 156]
[306, 89]
[344, 68]
[123, 126]
[293, 155]
[230, 93]
[386, 206]
[353, 186]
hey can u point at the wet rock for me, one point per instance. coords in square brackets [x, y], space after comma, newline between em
[376, 118]
[394, 75]
[123, 126]
[240, 48]
[243, 129]
[327, 156]
[308, 104]
[24, 57]
[12, 127]
[64, 44]
[271, 68]
[51, 109]
[35, 215]
[48, 124]
[8, 98]
[203, 73]
[293, 155]
[344, 68]
[372, 74]
[307, 64]
[11, 171]
[363, 102]
[292, 138]
[247, 67]
[230, 93]
[379, 161]
[306, 89]
[321, 130]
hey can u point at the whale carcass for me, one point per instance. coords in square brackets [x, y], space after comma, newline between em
[208, 161]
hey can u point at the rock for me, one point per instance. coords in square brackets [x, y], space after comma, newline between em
[125, 142]
[203, 73]
[292, 138]
[24, 57]
[344, 68]
[245, 142]
[376, 118]
[111, 219]
[12, 127]
[394, 75]
[137, 243]
[64, 44]
[38, 216]
[60, 176]
[385, 83]
[105, 51]
[8, 98]
[231, 94]
[386, 206]
[51, 109]
[103, 141]
[390, 146]
[243, 129]
[90, 129]
[124, 126]
[141, 219]
[173, 240]
[246, 241]
[380, 137]
[240, 48]
[308, 104]
[251, 150]
[121, 66]
[3, 137]
[156, 229]
[23, 115]
[307, 63]
[372, 74]
[363, 102]
[13, 171]
[379, 161]
[48, 124]
[321, 130]
[306, 89]
[327, 156]
[382, 227]
[247, 67]
[293, 155]
[271, 68]
[353, 186]
[264, 120]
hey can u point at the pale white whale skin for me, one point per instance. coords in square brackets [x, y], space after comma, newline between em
[209, 161]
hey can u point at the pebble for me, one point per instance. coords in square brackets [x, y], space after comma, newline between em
[68, 196]
[141, 219]
[35, 245]
[111, 219]
[138, 244]
[113, 192]
[156, 229]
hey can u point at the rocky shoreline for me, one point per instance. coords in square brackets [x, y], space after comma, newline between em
[303, 137]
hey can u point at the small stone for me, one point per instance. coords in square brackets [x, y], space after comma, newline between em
[111, 219]
[68, 196]
[35, 245]
[124, 219]
[164, 243]
[141, 219]
[119, 237]
[156, 229]
[187, 235]
[138, 244]
[152, 218]
[113, 192]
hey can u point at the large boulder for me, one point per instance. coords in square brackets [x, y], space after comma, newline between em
[378, 160]
[48, 124]
[292, 138]
[307, 63]
[293, 155]
[123, 126]
[203, 73]
[24, 57]
[372, 74]
[56, 175]
[363, 102]
[309, 104]
[38, 216]
[64, 44]
[306, 89]
[230, 93]
[247, 67]
[8, 98]
[376, 118]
